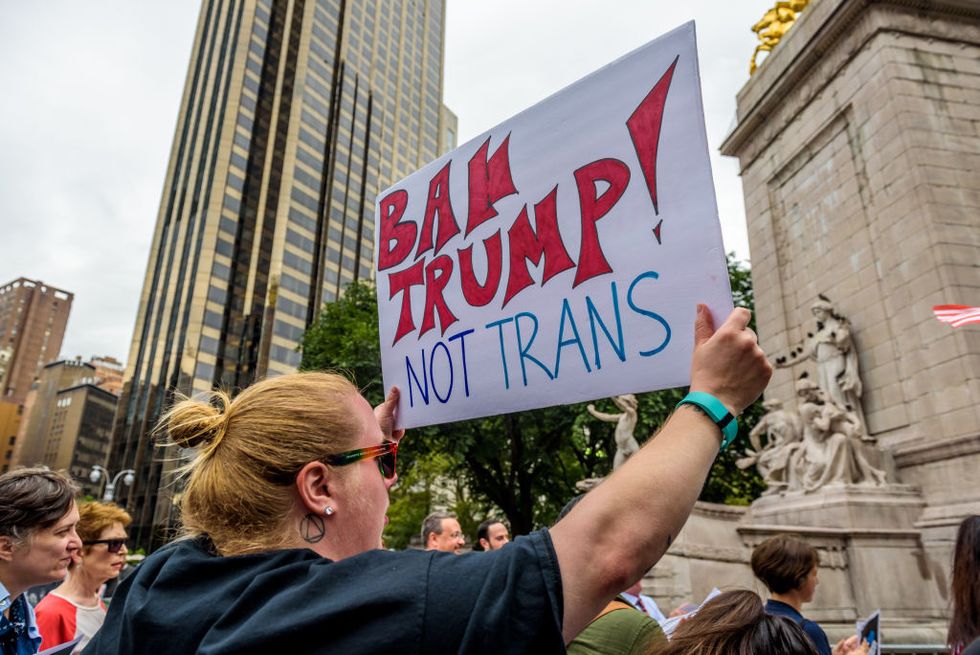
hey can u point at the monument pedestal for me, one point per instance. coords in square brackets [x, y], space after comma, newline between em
[893, 506]
[871, 556]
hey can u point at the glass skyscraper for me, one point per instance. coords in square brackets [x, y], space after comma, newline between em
[295, 114]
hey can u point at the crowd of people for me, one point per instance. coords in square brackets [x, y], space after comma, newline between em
[283, 509]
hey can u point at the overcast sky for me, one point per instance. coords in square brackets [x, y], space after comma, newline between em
[89, 94]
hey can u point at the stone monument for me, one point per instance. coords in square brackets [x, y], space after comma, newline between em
[858, 144]
[858, 139]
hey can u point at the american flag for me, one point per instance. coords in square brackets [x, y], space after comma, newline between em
[957, 315]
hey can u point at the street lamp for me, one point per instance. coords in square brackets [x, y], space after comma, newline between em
[98, 473]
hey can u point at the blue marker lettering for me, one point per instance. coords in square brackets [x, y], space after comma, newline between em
[503, 355]
[629, 299]
[432, 375]
[410, 374]
[594, 318]
[462, 351]
[566, 310]
[524, 349]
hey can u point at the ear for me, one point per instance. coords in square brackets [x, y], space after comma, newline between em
[7, 547]
[77, 557]
[314, 488]
[485, 544]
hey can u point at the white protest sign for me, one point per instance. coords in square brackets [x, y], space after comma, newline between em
[560, 256]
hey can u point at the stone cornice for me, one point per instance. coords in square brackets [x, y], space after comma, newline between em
[816, 34]
[936, 450]
[829, 533]
[710, 552]
[717, 510]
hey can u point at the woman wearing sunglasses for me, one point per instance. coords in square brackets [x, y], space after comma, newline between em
[285, 501]
[75, 608]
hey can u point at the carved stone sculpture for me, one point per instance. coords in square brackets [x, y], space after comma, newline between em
[626, 443]
[784, 437]
[831, 451]
[831, 347]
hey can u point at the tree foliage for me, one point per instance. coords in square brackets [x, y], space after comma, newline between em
[523, 465]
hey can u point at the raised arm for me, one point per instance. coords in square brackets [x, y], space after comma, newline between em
[622, 527]
[602, 416]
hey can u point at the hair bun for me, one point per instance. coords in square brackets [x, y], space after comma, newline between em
[192, 423]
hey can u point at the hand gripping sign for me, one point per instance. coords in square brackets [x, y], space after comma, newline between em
[560, 256]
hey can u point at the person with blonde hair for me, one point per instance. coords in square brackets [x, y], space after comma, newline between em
[286, 499]
[37, 540]
[75, 609]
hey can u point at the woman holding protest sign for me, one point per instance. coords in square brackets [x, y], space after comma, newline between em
[285, 503]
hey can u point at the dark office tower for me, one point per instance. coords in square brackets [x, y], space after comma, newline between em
[295, 114]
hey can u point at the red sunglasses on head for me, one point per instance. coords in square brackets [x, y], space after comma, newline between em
[385, 454]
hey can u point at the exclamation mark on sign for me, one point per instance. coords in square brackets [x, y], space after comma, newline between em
[644, 126]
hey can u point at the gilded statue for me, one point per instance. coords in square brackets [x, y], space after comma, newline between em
[773, 25]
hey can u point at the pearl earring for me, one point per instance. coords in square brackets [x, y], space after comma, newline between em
[328, 510]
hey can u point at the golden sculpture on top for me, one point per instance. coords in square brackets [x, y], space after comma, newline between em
[774, 25]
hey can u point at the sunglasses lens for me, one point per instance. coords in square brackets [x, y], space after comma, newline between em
[387, 463]
[115, 545]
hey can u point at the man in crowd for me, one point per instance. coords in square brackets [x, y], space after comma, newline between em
[441, 531]
[635, 596]
[492, 534]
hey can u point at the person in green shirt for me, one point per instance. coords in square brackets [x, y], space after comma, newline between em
[620, 629]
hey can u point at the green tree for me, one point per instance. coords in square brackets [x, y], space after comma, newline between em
[344, 338]
[524, 464]
[727, 483]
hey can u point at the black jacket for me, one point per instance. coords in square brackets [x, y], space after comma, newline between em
[185, 599]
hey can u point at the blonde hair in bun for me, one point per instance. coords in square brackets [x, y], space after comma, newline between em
[237, 487]
[191, 422]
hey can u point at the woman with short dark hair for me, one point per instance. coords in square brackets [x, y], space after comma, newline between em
[964, 624]
[788, 568]
[37, 539]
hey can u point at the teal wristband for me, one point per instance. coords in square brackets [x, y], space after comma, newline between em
[717, 412]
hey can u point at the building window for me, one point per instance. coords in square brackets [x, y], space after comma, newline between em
[285, 355]
[288, 331]
[208, 345]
